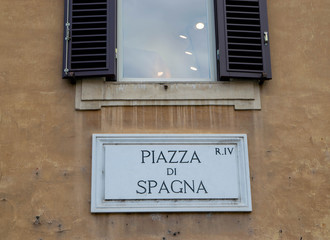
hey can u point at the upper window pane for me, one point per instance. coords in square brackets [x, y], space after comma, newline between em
[165, 39]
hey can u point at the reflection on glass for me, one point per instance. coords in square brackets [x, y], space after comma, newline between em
[160, 39]
[200, 26]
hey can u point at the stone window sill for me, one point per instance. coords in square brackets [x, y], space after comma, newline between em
[94, 93]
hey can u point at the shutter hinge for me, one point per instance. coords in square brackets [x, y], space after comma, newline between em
[266, 38]
[218, 54]
[67, 39]
[116, 56]
[67, 35]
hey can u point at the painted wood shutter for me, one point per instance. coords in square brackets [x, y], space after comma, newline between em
[243, 39]
[89, 38]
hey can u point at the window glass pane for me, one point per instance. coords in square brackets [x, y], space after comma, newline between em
[165, 39]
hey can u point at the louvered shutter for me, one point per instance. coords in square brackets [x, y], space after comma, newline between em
[89, 38]
[243, 39]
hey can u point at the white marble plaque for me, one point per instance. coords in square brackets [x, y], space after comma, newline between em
[170, 173]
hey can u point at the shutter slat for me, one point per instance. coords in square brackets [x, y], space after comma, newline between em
[84, 42]
[245, 44]
[89, 61]
[89, 16]
[250, 57]
[88, 10]
[242, 18]
[91, 48]
[242, 12]
[246, 50]
[246, 63]
[239, 39]
[88, 69]
[243, 6]
[87, 29]
[243, 24]
[88, 4]
[244, 2]
[90, 36]
[83, 23]
[242, 49]
[242, 37]
[243, 31]
[240, 72]
[87, 55]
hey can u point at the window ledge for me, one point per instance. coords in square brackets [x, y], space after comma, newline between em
[94, 93]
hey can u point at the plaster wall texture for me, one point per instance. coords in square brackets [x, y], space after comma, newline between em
[45, 145]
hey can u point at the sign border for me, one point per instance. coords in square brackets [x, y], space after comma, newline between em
[100, 205]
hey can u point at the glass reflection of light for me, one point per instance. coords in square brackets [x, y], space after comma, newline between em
[193, 68]
[200, 26]
[188, 53]
[183, 36]
[159, 74]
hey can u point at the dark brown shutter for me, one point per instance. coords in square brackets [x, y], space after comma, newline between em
[243, 39]
[89, 38]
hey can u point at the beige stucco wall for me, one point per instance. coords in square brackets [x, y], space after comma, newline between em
[45, 145]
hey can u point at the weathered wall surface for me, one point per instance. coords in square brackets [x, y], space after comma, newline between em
[45, 145]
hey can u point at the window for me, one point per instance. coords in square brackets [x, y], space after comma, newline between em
[241, 42]
[166, 40]
[236, 42]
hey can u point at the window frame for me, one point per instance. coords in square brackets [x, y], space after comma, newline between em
[212, 50]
